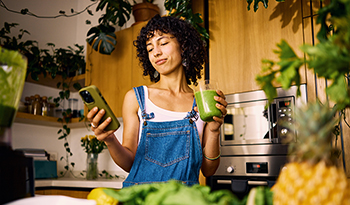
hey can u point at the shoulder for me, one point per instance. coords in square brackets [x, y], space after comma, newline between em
[130, 100]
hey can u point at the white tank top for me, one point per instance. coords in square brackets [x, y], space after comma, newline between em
[161, 114]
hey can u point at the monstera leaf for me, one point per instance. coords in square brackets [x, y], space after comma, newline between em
[102, 38]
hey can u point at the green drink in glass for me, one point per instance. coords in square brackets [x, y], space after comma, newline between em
[204, 94]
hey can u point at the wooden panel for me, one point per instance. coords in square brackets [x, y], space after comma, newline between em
[240, 39]
[346, 144]
[112, 73]
[70, 193]
[315, 5]
[137, 77]
[315, 86]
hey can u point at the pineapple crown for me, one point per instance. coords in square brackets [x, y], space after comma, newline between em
[314, 124]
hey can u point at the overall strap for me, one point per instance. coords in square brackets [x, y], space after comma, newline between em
[192, 114]
[140, 96]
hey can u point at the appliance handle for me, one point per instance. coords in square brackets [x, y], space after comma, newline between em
[223, 181]
[256, 183]
[259, 183]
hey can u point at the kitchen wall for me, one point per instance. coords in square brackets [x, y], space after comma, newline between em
[63, 32]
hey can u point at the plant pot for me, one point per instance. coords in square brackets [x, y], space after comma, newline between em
[144, 11]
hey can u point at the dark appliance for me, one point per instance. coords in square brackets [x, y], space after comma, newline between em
[16, 175]
[252, 153]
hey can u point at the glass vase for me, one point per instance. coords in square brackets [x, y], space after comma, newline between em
[91, 166]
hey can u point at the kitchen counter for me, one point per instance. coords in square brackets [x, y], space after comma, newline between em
[67, 182]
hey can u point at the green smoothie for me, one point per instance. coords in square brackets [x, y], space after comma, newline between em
[12, 74]
[207, 104]
[7, 115]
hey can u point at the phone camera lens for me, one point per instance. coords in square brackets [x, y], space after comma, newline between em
[86, 96]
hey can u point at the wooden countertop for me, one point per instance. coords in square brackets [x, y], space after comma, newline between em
[79, 183]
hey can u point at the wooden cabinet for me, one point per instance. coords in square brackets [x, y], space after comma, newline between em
[76, 193]
[240, 39]
[117, 73]
[48, 120]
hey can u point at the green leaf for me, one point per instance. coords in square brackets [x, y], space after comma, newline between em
[256, 4]
[102, 39]
[58, 84]
[338, 92]
[62, 137]
[77, 86]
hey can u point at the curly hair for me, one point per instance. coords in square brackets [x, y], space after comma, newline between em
[191, 44]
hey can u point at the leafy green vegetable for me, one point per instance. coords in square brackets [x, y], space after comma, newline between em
[173, 193]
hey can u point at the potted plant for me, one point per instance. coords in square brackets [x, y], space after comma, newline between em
[102, 37]
[117, 12]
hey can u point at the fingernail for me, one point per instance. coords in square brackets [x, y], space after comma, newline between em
[109, 119]
[216, 97]
[95, 108]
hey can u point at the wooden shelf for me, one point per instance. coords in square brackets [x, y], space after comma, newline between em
[52, 82]
[27, 118]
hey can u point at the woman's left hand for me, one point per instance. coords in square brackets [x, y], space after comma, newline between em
[214, 126]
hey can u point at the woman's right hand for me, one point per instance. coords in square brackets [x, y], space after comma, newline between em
[95, 116]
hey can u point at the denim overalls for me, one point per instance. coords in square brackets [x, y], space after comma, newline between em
[167, 150]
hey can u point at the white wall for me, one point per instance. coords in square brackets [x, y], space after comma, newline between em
[63, 32]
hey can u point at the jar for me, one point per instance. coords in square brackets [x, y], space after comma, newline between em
[44, 106]
[73, 105]
[27, 102]
[51, 109]
[36, 105]
[30, 104]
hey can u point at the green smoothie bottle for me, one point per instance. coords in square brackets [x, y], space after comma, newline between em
[13, 67]
[204, 94]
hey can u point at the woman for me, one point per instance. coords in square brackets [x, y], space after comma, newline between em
[163, 137]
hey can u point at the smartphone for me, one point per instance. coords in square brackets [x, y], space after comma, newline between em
[92, 97]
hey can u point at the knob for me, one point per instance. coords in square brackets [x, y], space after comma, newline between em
[230, 169]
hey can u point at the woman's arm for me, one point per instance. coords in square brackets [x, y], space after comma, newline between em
[122, 154]
[211, 139]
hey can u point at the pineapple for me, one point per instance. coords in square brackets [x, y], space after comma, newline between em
[312, 176]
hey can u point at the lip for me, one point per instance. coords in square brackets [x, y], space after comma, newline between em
[160, 61]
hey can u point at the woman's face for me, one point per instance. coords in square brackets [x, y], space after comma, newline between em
[164, 53]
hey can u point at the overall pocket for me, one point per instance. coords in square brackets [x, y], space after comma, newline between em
[167, 148]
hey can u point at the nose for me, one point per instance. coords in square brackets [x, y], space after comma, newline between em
[157, 51]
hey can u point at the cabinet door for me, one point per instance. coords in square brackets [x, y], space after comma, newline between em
[117, 73]
[240, 39]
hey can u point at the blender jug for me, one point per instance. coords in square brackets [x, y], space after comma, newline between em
[17, 178]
